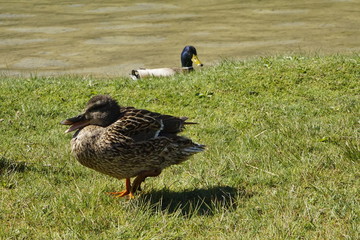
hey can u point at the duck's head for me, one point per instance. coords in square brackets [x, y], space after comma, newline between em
[189, 56]
[101, 110]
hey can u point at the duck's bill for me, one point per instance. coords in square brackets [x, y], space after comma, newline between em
[75, 122]
[196, 60]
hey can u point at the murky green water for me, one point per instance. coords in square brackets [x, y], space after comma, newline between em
[113, 37]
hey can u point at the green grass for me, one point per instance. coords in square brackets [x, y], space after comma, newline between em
[282, 158]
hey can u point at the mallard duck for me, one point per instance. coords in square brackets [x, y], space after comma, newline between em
[188, 57]
[125, 142]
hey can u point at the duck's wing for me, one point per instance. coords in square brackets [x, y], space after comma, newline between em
[137, 124]
[169, 125]
[173, 125]
[158, 72]
[155, 72]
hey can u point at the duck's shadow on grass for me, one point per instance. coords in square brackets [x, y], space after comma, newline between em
[199, 201]
[205, 201]
[9, 166]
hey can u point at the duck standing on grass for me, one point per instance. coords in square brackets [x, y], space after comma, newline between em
[125, 142]
[188, 57]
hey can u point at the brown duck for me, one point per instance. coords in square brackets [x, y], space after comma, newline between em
[125, 142]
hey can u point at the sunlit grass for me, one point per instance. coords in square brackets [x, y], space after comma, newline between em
[282, 158]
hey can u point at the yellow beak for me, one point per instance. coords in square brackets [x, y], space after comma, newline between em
[196, 61]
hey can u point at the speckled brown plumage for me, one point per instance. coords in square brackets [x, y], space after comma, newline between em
[125, 142]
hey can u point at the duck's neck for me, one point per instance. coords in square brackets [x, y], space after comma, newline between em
[186, 59]
[186, 64]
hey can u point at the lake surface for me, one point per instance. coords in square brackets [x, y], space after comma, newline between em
[110, 38]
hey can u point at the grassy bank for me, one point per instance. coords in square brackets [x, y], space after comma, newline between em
[282, 159]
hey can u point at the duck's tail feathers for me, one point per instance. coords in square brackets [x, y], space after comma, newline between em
[134, 75]
[185, 123]
[183, 119]
[196, 148]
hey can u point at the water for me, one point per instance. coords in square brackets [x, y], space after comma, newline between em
[110, 38]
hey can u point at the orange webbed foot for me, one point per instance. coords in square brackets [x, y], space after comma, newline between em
[126, 193]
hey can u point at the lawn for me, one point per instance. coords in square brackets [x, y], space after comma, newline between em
[282, 159]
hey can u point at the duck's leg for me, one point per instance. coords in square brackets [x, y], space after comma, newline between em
[127, 192]
[141, 177]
